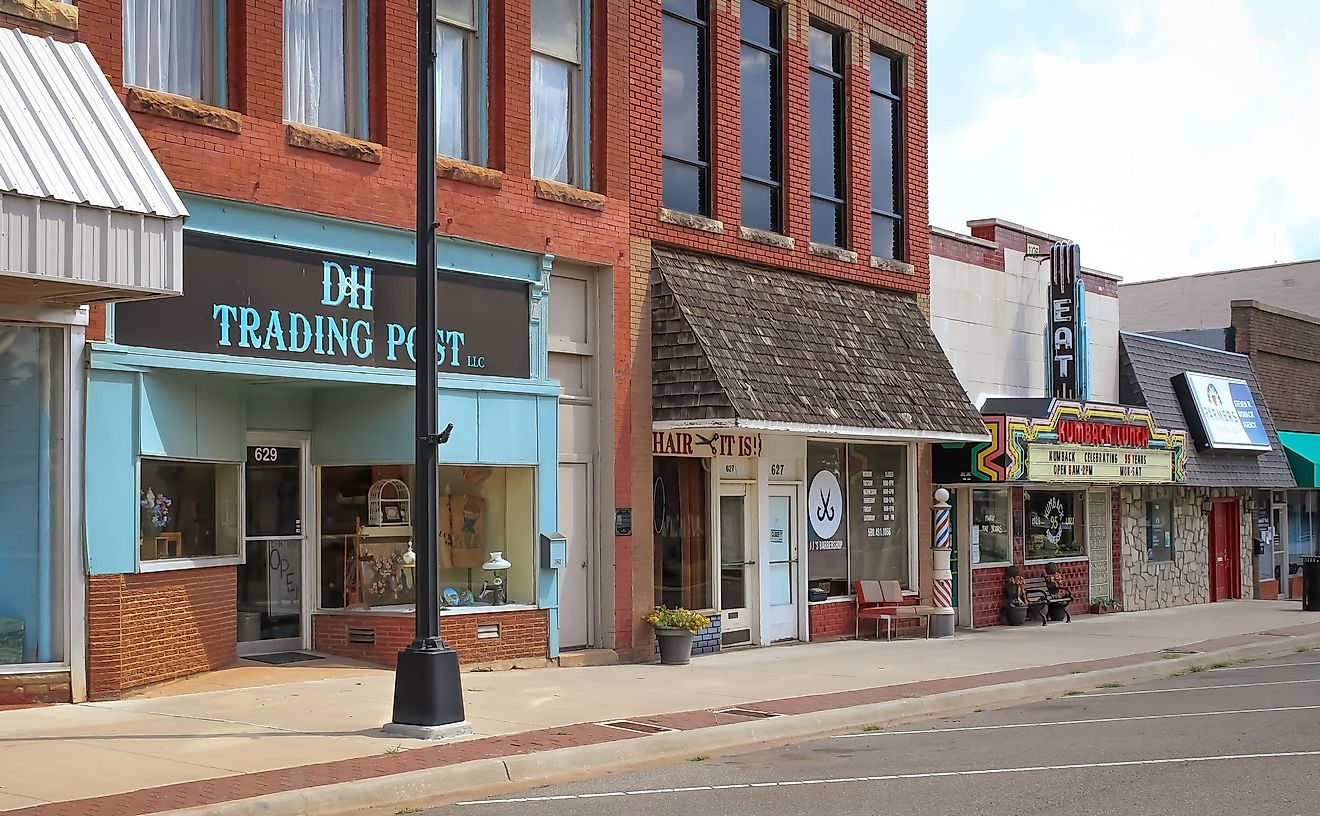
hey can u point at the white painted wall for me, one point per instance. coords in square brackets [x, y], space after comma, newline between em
[991, 325]
[1202, 301]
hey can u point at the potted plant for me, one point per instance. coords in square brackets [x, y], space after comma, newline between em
[1103, 605]
[1015, 596]
[1057, 594]
[674, 629]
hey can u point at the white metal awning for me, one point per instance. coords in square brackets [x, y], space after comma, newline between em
[86, 213]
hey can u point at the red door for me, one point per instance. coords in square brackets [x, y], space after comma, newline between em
[1224, 546]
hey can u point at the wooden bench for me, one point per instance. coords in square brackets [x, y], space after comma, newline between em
[884, 601]
[1037, 592]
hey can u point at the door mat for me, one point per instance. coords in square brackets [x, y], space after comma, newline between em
[281, 658]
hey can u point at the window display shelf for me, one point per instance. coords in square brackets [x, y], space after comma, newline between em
[408, 609]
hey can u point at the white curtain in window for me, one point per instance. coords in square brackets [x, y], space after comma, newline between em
[451, 92]
[551, 90]
[163, 45]
[314, 92]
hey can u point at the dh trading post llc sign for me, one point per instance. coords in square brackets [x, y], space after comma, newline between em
[247, 299]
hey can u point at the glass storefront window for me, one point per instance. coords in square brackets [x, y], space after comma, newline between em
[682, 547]
[364, 559]
[992, 526]
[877, 513]
[1302, 524]
[1052, 525]
[857, 515]
[187, 509]
[30, 561]
[1159, 530]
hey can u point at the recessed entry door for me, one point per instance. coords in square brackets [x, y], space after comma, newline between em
[271, 578]
[779, 594]
[737, 566]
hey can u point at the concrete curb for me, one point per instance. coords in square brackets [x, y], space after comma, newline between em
[436, 786]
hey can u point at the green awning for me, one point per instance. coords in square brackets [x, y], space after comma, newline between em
[1303, 451]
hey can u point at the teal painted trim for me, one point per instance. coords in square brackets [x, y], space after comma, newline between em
[585, 120]
[43, 510]
[219, 42]
[547, 431]
[483, 83]
[110, 472]
[362, 69]
[109, 357]
[322, 233]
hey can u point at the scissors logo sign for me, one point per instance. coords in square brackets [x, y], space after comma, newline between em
[825, 504]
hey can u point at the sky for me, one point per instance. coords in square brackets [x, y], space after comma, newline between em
[1166, 137]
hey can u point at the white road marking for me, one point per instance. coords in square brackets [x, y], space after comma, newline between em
[1125, 763]
[1076, 722]
[1267, 666]
[1089, 695]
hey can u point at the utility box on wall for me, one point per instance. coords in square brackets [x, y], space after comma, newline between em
[554, 550]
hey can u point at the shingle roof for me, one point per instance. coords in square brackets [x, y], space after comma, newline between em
[734, 341]
[1147, 366]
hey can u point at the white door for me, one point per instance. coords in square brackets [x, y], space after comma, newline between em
[737, 566]
[575, 515]
[779, 593]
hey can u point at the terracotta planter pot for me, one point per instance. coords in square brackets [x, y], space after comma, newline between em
[1102, 610]
[675, 646]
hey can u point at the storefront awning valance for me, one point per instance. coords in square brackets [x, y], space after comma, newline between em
[738, 345]
[1303, 451]
[88, 215]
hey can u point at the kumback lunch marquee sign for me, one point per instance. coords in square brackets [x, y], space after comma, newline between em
[247, 299]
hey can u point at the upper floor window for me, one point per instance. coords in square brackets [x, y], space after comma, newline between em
[684, 82]
[759, 76]
[886, 156]
[176, 46]
[558, 96]
[457, 73]
[325, 64]
[828, 214]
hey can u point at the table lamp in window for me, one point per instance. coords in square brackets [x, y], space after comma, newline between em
[499, 566]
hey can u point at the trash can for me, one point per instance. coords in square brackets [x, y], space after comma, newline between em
[1311, 583]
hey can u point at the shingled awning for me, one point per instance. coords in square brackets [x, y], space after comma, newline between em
[1147, 366]
[738, 345]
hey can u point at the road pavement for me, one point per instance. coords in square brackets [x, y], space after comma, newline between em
[1234, 739]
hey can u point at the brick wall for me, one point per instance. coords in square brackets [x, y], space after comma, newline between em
[898, 27]
[147, 628]
[522, 634]
[1284, 348]
[832, 619]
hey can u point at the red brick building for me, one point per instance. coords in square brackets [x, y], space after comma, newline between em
[778, 164]
[268, 407]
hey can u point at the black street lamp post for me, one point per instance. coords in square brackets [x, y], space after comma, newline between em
[428, 695]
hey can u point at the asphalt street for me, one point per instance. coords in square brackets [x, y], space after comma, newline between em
[1239, 739]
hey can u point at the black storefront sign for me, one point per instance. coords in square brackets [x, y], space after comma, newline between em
[1065, 264]
[248, 299]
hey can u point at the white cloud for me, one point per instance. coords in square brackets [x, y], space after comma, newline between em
[1189, 147]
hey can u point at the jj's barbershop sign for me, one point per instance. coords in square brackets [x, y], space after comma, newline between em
[705, 443]
[247, 299]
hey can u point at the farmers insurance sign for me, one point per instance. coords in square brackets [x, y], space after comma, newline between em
[1221, 412]
[246, 299]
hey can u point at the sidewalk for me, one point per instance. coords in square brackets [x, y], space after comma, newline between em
[159, 753]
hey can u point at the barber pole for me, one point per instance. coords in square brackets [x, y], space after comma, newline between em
[942, 619]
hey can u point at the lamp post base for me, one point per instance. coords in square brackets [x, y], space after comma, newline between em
[428, 692]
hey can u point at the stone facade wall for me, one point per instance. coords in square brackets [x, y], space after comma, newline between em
[1186, 579]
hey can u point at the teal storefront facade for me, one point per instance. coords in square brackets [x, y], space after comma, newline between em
[250, 449]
